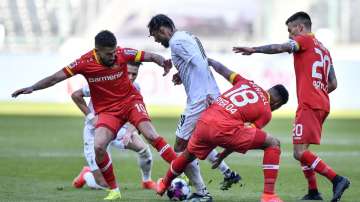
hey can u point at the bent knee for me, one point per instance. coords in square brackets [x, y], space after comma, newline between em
[297, 154]
[274, 142]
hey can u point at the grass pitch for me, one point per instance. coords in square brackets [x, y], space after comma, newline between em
[41, 154]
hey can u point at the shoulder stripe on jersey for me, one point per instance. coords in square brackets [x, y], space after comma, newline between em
[232, 77]
[96, 57]
[69, 70]
[138, 56]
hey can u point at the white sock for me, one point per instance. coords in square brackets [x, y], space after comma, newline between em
[90, 181]
[223, 167]
[145, 163]
[192, 171]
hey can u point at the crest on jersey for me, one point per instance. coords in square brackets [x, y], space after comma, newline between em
[73, 64]
[130, 52]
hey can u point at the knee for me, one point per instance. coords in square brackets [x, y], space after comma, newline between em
[180, 146]
[297, 154]
[100, 149]
[274, 142]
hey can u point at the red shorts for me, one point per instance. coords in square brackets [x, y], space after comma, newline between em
[206, 137]
[135, 112]
[308, 126]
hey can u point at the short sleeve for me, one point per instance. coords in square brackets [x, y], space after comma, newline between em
[74, 68]
[132, 55]
[86, 91]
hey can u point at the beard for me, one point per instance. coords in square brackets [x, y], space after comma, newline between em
[165, 44]
[108, 63]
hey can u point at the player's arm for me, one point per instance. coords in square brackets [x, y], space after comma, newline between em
[220, 68]
[44, 83]
[78, 98]
[158, 59]
[288, 47]
[332, 81]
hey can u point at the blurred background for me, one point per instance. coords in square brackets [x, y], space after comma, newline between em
[38, 37]
[41, 134]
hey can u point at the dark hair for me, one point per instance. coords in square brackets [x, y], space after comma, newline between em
[302, 16]
[137, 64]
[160, 20]
[284, 94]
[105, 38]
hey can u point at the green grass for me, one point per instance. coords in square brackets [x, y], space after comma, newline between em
[42, 153]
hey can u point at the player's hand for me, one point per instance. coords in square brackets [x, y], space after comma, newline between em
[176, 79]
[167, 66]
[244, 50]
[99, 178]
[127, 138]
[219, 159]
[26, 90]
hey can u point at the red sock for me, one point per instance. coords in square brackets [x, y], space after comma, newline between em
[106, 169]
[318, 165]
[176, 168]
[310, 176]
[270, 168]
[164, 149]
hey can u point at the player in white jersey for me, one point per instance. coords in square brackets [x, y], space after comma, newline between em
[189, 58]
[127, 138]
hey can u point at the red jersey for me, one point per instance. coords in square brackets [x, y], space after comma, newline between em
[110, 88]
[312, 62]
[244, 102]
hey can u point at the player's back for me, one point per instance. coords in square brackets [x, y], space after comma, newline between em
[189, 58]
[312, 64]
[244, 102]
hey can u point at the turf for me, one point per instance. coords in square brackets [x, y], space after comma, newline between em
[40, 155]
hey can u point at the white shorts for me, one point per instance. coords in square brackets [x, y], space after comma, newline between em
[89, 137]
[189, 118]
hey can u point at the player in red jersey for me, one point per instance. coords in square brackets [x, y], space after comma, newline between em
[224, 124]
[115, 99]
[315, 79]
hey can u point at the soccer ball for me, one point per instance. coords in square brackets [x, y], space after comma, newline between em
[179, 190]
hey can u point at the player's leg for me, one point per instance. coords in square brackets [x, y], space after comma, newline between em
[144, 160]
[184, 130]
[103, 136]
[307, 130]
[177, 167]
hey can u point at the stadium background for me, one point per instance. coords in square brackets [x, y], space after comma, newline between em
[41, 132]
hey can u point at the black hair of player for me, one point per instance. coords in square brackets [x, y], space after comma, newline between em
[105, 38]
[137, 64]
[284, 94]
[302, 16]
[158, 21]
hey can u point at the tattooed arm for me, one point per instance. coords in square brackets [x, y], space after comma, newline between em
[267, 49]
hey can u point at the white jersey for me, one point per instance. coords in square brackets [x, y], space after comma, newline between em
[189, 58]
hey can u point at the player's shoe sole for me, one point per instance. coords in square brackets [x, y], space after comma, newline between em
[79, 180]
[194, 197]
[312, 197]
[339, 188]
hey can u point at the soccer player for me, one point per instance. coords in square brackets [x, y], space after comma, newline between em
[201, 89]
[224, 124]
[315, 79]
[115, 99]
[126, 138]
